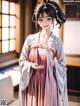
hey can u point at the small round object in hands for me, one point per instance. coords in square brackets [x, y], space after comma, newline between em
[37, 66]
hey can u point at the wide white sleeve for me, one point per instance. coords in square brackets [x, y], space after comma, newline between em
[60, 58]
[61, 69]
[25, 65]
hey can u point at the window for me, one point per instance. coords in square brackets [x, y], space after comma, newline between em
[9, 32]
[73, 11]
[7, 26]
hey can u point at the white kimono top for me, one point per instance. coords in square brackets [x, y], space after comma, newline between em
[58, 63]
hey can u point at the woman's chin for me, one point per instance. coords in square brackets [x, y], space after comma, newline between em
[46, 28]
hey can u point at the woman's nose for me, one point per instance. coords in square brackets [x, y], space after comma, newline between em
[44, 23]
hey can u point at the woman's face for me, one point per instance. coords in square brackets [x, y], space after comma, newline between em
[45, 22]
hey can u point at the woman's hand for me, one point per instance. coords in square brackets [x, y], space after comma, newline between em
[37, 66]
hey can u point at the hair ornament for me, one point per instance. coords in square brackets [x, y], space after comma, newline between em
[45, 6]
[52, 5]
[56, 11]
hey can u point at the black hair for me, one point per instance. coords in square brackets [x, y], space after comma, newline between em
[52, 9]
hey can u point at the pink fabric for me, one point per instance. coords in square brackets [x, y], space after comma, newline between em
[42, 89]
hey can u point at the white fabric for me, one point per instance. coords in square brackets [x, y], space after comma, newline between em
[60, 68]
[6, 87]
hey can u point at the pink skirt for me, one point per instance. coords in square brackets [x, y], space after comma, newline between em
[35, 92]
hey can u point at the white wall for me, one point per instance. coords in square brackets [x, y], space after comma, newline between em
[72, 37]
[56, 29]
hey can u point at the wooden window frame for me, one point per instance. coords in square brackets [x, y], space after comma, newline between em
[11, 58]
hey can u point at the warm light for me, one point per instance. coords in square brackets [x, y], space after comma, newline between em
[5, 46]
[7, 26]
[5, 20]
[12, 8]
[12, 33]
[12, 45]
[5, 6]
[12, 21]
[5, 33]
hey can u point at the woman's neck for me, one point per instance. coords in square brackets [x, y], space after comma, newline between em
[46, 33]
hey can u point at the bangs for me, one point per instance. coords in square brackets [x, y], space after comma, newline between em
[48, 10]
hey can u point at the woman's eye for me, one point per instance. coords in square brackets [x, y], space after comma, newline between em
[49, 19]
[40, 19]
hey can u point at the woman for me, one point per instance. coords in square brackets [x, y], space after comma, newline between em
[42, 64]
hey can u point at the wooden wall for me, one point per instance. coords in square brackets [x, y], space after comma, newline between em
[73, 80]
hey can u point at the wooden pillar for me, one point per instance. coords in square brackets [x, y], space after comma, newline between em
[28, 18]
[17, 21]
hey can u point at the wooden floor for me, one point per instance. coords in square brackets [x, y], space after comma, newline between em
[73, 101]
